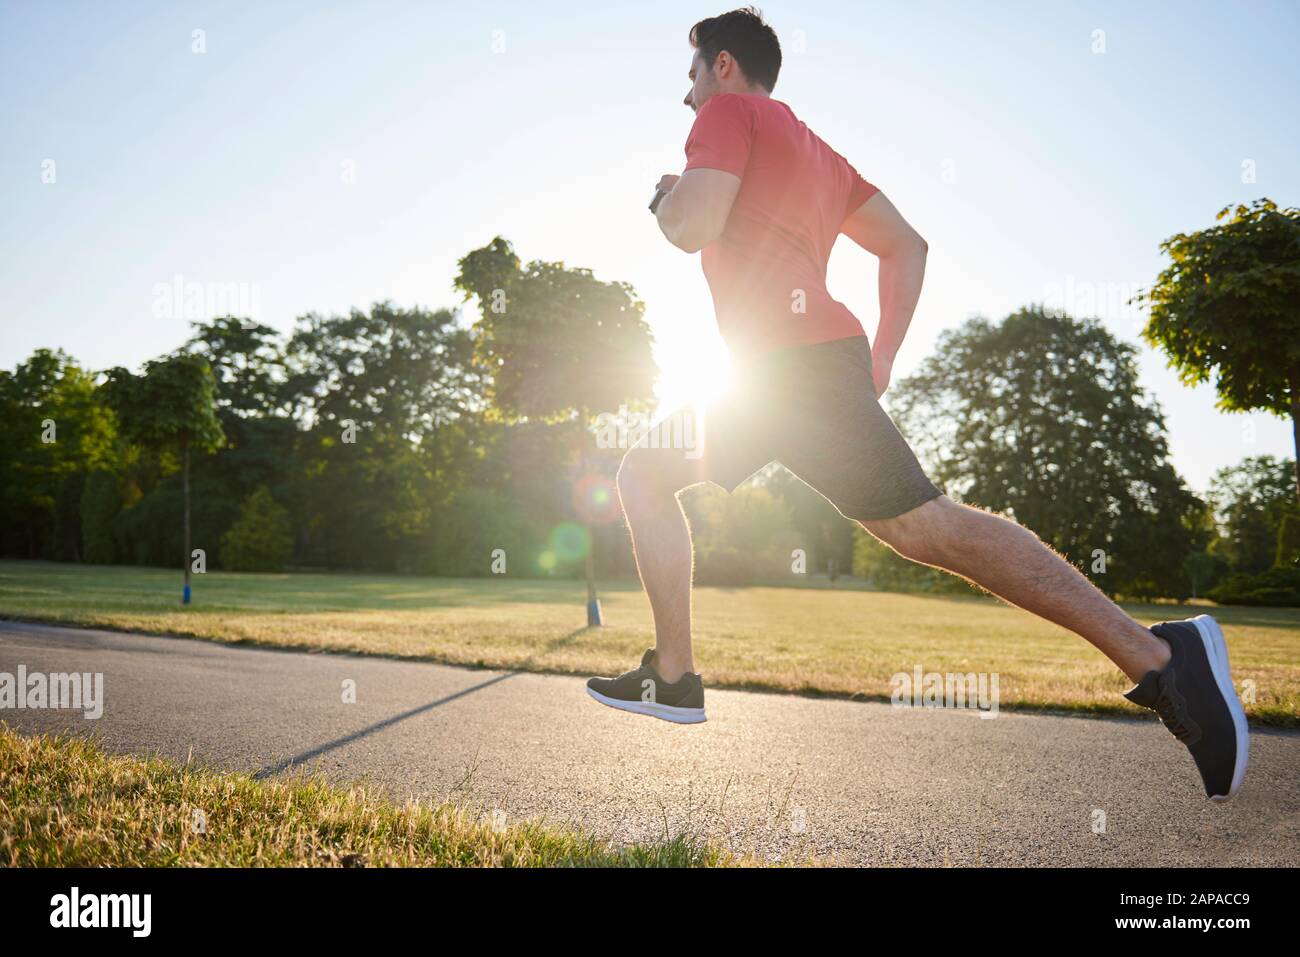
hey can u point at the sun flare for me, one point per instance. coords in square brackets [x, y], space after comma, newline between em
[691, 376]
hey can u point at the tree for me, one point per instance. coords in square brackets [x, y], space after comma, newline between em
[742, 538]
[478, 522]
[247, 363]
[1203, 570]
[1228, 305]
[405, 371]
[262, 539]
[825, 534]
[100, 503]
[172, 406]
[1288, 542]
[364, 504]
[1205, 566]
[385, 396]
[558, 345]
[1250, 501]
[883, 568]
[1042, 416]
[54, 427]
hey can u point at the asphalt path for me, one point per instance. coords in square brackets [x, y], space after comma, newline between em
[782, 776]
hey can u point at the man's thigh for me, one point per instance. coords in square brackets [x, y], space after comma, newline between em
[835, 436]
[719, 443]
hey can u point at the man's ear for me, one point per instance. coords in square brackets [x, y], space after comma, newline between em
[723, 64]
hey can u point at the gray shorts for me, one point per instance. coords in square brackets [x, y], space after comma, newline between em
[813, 408]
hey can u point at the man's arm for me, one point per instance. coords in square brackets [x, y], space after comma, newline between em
[695, 211]
[880, 229]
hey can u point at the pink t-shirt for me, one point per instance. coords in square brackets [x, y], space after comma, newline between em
[767, 271]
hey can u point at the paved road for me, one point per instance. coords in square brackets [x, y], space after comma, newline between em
[779, 775]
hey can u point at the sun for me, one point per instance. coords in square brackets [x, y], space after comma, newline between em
[691, 374]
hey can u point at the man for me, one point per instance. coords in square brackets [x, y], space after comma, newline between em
[763, 199]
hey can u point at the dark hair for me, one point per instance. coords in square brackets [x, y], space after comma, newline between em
[744, 35]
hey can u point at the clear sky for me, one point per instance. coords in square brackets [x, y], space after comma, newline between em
[326, 155]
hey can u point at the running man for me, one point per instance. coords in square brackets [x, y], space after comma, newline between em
[763, 199]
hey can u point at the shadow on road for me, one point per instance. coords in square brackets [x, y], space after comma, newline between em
[304, 756]
[374, 728]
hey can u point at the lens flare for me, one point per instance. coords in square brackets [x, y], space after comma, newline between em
[569, 542]
[595, 499]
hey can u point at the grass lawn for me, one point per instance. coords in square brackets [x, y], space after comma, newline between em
[843, 642]
[65, 803]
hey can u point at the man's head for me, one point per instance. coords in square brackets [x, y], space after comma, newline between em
[734, 53]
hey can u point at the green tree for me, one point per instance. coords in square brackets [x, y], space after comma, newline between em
[67, 518]
[54, 427]
[478, 522]
[1250, 501]
[1288, 541]
[742, 538]
[388, 400]
[881, 567]
[1204, 567]
[101, 501]
[1204, 570]
[250, 368]
[559, 345]
[1041, 416]
[366, 505]
[405, 371]
[1228, 305]
[262, 539]
[825, 534]
[171, 407]
[247, 362]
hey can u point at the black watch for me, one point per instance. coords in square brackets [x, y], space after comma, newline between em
[659, 198]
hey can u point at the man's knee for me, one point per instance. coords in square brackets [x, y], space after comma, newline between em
[924, 534]
[645, 477]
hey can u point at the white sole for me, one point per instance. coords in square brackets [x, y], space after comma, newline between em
[1216, 649]
[665, 711]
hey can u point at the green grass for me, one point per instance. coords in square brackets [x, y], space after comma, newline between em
[841, 642]
[65, 803]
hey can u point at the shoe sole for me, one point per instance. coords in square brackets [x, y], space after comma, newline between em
[665, 711]
[1216, 650]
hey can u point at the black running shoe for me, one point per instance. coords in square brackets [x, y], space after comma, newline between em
[642, 691]
[1196, 700]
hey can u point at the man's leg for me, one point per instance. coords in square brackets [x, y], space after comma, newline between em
[1011, 562]
[648, 483]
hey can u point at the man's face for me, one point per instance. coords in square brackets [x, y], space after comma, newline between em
[704, 82]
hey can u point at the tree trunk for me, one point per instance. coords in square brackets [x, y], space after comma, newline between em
[591, 573]
[1295, 432]
[595, 618]
[185, 484]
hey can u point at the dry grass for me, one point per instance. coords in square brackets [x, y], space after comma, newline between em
[842, 642]
[65, 803]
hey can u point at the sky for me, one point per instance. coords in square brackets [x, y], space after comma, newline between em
[293, 157]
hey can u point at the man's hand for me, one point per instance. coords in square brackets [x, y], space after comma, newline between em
[881, 366]
[880, 229]
[695, 211]
[662, 189]
[667, 182]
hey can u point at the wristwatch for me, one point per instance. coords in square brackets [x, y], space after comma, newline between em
[659, 198]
